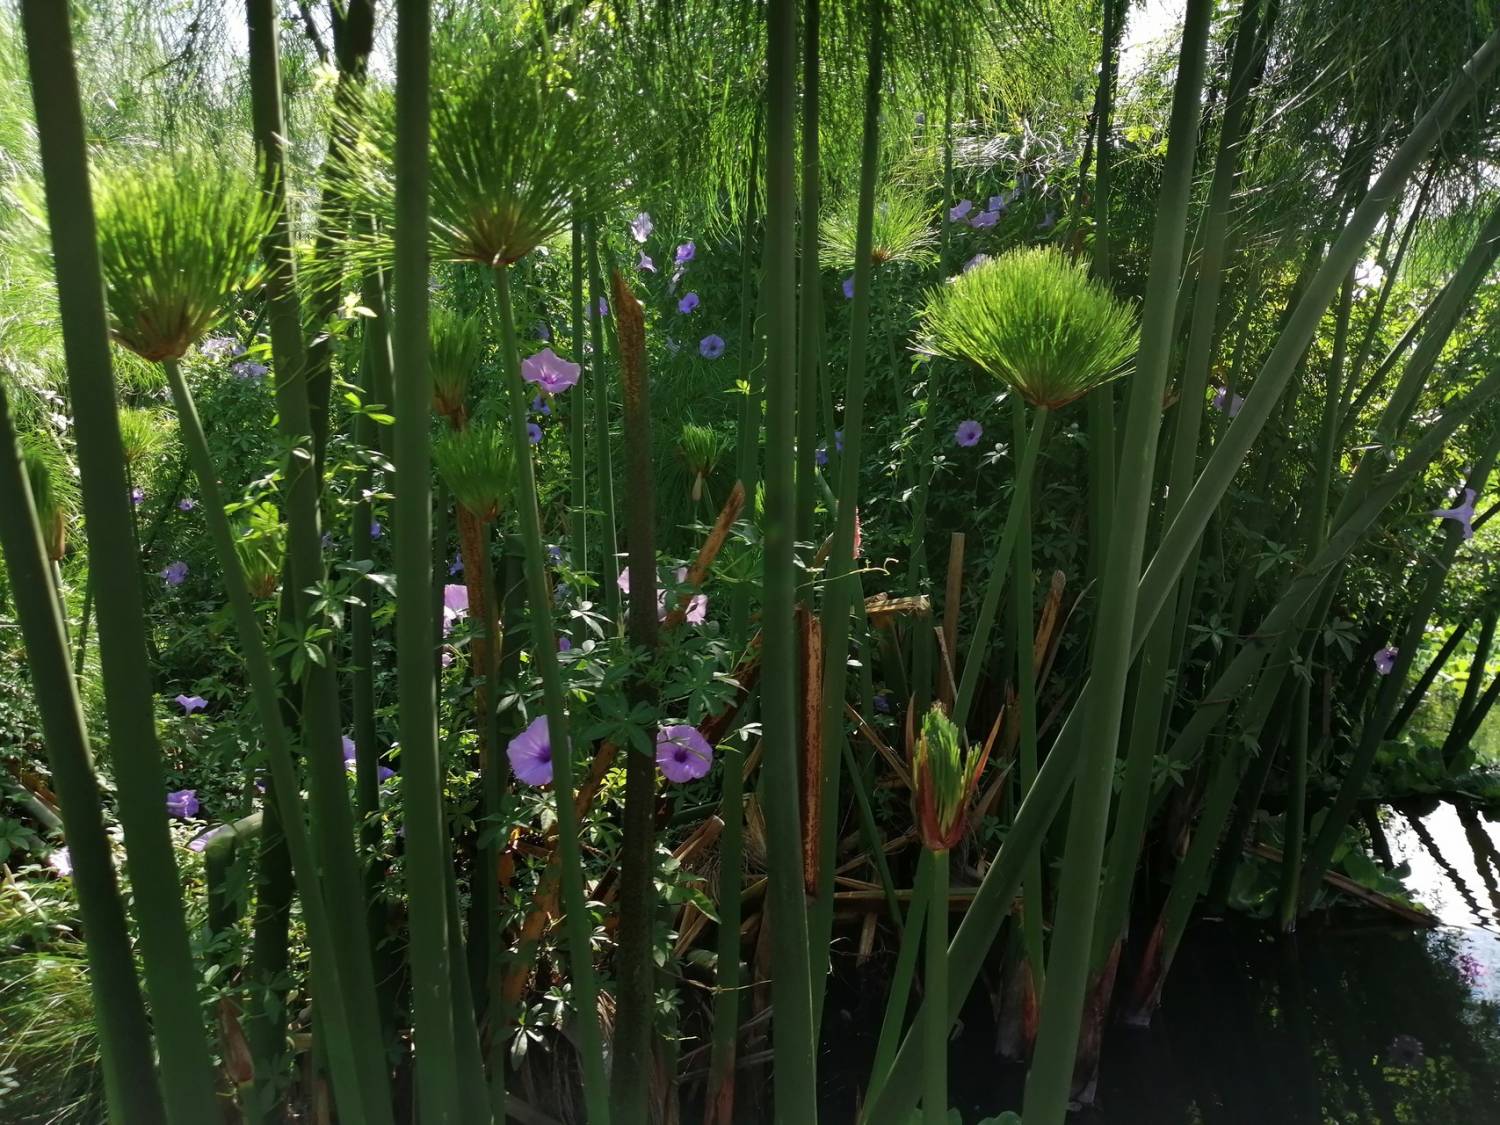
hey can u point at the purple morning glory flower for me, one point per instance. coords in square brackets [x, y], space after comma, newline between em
[968, 433]
[376, 531]
[686, 253]
[1385, 659]
[61, 861]
[849, 288]
[960, 210]
[191, 703]
[820, 455]
[603, 306]
[183, 803]
[543, 333]
[564, 643]
[984, 220]
[711, 347]
[554, 554]
[174, 574]
[688, 303]
[456, 566]
[641, 227]
[530, 753]
[999, 204]
[455, 605]
[883, 703]
[349, 750]
[838, 441]
[534, 432]
[1464, 513]
[1225, 403]
[137, 496]
[248, 369]
[682, 753]
[217, 347]
[539, 406]
[646, 263]
[186, 504]
[976, 260]
[551, 372]
[697, 610]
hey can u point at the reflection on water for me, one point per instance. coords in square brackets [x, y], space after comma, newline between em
[1354, 1022]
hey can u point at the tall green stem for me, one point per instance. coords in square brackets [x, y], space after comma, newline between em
[427, 838]
[130, 1081]
[840, 584]
[577, 922]
[604, 466]
[631, 1069]
[1049, 1082]
[187, 1074]
[979, 643]
[935, 1015]
[811, 295]
[795, 1067]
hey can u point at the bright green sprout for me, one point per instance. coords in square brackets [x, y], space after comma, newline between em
[1035, 320]
[943, 777]
[903, 232]
[260, 541]
[142, 435]
[52, 492]
[478, 466]
[512, 145]
[456, 352]
[703, 448]
[178, 233]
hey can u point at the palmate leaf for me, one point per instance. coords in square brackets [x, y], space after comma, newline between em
[178, 233]
[1035, 320]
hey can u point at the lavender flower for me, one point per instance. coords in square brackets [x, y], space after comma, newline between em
[820, 455]
[191, 703]
[248, 369]
[376, 531]
[137, 496]
[711, 346]
[999, 204]
[550, 371]
[183, 803]
[603, 306]
[1226, 403]
[968, 433]
[564, 643]
[1464, 513]
[554, 554]
[682, 753]
[217, 347]
[646, 263]
[688, 303]
[1385, 659]
[61, 861]
[186, 504]
[985, 220]
[686, 253]
[838, 441]
[543, 332]
[534, 432]
[960, 210]
[455, 605]
[174, 574]
[641, 227]
[456, 566]
[849, 288]
[530, 753]
[539, 406]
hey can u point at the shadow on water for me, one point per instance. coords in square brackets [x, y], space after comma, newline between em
[1352, 1022]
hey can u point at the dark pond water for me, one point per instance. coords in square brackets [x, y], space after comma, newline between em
[1351, 1022]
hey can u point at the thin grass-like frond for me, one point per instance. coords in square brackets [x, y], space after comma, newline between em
[177, 234]
[903, 232]
[1035, 320]
[478, 466]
